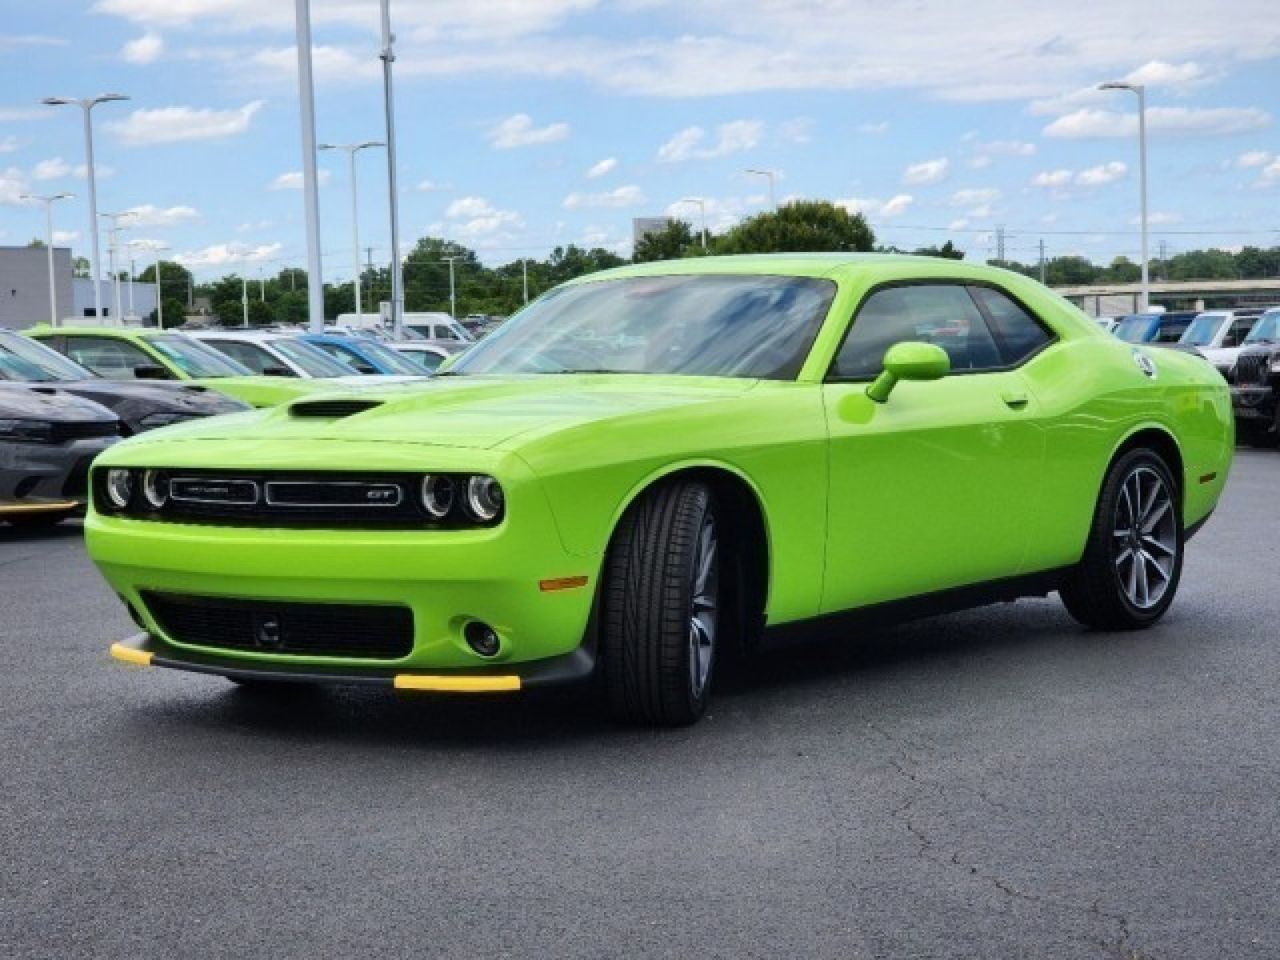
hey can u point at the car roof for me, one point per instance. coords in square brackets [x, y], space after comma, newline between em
[875, 266]
[120, 333]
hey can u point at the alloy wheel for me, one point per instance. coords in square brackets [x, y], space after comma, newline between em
[1145, 538]
[704, 605]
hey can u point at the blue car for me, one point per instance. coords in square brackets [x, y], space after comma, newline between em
[1163, 328]
[363, 355]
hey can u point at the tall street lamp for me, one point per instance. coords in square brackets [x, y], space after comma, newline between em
[702, 206]
[113, 232]
[772, 175]
[87, 105]
[310, 176]
[388, 57]
[351, 150]
[48, 201]
[156, 249]
[453, 298]
[1141, 92]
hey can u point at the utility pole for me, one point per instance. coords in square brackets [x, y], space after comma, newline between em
[191, 291]
[244, 298]
[524, 269]
[388, 57]
[772, 175]
[262, 285]
[368, 253]
[310, 176]
[453, 298]
[1042, 259]
[113, 232]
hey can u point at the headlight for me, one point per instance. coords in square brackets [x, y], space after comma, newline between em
[484, 498]
[155, 489]
[119, 487]
[438, 494]
[32, 431]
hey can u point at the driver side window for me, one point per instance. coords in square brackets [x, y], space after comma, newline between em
[112, 359]
[942, 314]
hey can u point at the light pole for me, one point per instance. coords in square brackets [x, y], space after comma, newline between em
[310, 176]
[524, 269]
[351, 150]
[114, 233]
[772, 175]
[388, 57]
[48, 201]
[453, 299]
[244, 297]
[155, 274]
[1141, 92]
[702, 206]
[86, 105]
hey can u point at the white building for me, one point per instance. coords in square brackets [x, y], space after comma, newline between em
[24, 285]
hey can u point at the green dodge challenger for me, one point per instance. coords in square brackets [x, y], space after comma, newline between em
[650, 467]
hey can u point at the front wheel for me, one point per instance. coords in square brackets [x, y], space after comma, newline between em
[662, 607]
[1133, 559]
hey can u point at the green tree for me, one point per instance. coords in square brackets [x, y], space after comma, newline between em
[174, 280]
[670, 243]
[230, 312]
[260, 313]
[80, 267]
[174, 313]
[799, 227]
[947, 251]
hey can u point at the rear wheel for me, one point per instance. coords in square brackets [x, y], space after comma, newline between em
[662, 607]
[1133, 559]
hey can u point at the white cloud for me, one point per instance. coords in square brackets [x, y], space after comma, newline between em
[1253, 158]
[974, 196]
[293, 180]
[224, 254]
[958, 224]
[103, 171]
[605, 166]
[798, 130]
[13, 184]
[1102, 174]
[52, 169]
[14, 114]
[1052, 179]
[329, 64]
[477, 218]
[9, 144]
[878, 209]
[1177, 76]
[926, 172]
[628, 196]
[175, 124]
[1157, 219]
[874, 129]
[62, 238]
[427, 186]
[149, 215]
[1270, 174]
[1087, 123]
[733, 137]
[518, 130]
[145, 49]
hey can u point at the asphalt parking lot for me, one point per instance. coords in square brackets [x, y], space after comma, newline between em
[993, 784]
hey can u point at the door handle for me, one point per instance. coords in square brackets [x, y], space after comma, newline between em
[1014, 399]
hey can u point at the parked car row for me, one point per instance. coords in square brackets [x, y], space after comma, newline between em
[69, 392]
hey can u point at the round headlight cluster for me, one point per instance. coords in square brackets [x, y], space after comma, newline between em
[484, 498]
[155, 489]
[469, 498]
[119, 487]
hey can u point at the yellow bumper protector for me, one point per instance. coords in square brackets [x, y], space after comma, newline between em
[125, 654]
[446, 684]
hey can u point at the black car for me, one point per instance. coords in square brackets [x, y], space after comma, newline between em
[141, 405]
[1255, 382]
[47, 443]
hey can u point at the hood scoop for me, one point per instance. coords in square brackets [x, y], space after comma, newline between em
[331, 409]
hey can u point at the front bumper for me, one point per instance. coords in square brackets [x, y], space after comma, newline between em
[1256, 404]
[144, 650]
[41, 473]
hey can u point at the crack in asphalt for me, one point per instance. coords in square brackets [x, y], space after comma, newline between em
[1118, 946]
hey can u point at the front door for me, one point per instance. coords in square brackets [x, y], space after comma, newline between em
[936, 487]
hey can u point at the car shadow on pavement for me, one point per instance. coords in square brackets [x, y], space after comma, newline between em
[68, 530]
[371, 717]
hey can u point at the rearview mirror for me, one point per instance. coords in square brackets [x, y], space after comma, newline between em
[909, 361]
[150, 371]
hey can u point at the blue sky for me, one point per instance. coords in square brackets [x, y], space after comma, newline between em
[529, 123]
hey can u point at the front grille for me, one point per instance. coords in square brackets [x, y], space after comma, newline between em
[1252, 369]
[299, 629]
[62, 432]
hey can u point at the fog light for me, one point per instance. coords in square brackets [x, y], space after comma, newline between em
[155, 489]
[482, 638]
[119, 488]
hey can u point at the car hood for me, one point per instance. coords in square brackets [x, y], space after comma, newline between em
[22, 402]
[477, 412]
[153, 396]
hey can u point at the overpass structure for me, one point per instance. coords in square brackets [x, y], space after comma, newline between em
[1115, 299]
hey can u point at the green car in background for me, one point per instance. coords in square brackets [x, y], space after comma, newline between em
[649, 467]
[131, 353]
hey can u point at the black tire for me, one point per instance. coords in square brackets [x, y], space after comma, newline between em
[1255, 434]
[656, 660]
[1099, 591]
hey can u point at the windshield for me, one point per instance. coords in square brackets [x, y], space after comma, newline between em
[27, 360]
[1268, 328]
[1134, 329]
[195, 359]
[389, 359]
[313, 362]
[713, 326]
[1203, 329]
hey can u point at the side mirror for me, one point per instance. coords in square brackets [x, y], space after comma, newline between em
[277, 372]
[909, 361]
[151, 371]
